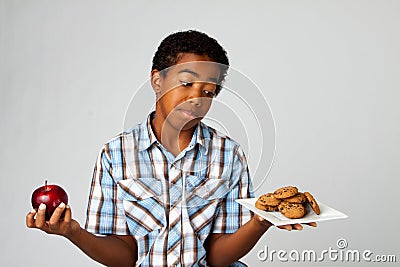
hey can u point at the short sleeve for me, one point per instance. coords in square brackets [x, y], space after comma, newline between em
[231, 215]
[105, 212]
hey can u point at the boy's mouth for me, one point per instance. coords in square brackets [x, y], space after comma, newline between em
[189, 114]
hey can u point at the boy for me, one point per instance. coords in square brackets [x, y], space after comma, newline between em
[164, 193]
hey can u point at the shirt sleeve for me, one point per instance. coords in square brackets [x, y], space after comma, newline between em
[231, 214]
[105, 212]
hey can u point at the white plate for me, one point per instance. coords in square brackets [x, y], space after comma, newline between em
[276, 218]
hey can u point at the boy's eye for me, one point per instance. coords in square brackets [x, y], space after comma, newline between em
[186, 84]
[209, 93]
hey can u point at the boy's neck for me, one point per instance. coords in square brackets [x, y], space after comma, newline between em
[172, 139]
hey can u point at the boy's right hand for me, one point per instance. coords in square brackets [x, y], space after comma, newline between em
[66, 226]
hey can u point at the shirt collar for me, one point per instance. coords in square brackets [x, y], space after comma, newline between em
[203, 137]
[147, 137]
[146, 134]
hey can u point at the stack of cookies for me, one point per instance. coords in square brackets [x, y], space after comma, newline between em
[289, 201]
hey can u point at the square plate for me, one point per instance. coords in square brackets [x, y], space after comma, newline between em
[276, 218]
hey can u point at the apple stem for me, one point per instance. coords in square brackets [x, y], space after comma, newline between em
[45, 184]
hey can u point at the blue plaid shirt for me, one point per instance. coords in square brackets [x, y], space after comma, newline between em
[169, 204]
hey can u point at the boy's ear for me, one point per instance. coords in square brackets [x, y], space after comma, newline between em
[156, 81]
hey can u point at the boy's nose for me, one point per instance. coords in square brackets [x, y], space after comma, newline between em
[195, 95]
[195, 101]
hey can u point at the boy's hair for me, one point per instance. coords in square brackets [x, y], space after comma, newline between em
[171, 48]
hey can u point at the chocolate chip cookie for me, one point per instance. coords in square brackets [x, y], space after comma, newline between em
[269, 199]
[260, 205]
[292, 210]
[313, 203]
[298, 198]
[285, 192]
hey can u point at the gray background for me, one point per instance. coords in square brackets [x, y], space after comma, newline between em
[329, 69]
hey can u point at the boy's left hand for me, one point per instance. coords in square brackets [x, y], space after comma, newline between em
[289, 227]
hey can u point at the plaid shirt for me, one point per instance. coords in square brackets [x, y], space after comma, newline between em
[169, 204]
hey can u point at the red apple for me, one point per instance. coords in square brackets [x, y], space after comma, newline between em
[51, 195]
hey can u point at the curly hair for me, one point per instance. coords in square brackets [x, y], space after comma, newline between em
[171, 48]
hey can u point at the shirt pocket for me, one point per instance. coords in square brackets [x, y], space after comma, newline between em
[144, 211]
[203, 199]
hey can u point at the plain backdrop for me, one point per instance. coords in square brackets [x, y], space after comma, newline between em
[330, 71]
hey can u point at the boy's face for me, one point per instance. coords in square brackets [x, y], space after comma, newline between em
[185, 91]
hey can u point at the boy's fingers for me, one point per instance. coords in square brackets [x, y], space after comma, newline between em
[290, 227]
[30, 219]
[40, 217]
[298, 226]
[286, 227]
[55, 218]
[68, 214]
[313, 224]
